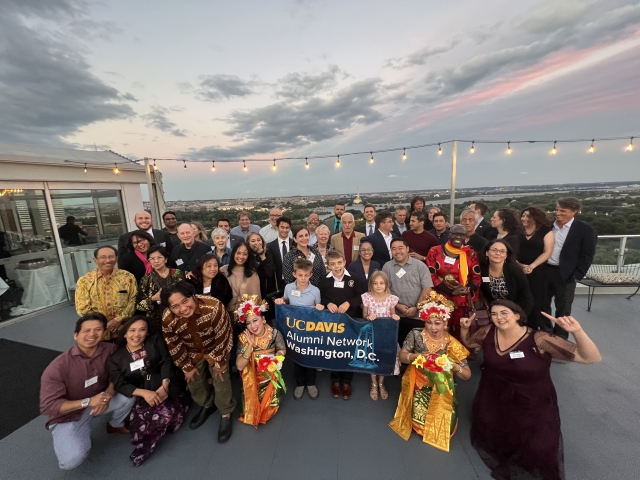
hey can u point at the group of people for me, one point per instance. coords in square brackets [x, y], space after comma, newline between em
[182, 311]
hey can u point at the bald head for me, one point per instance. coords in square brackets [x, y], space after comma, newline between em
[185, 234]
[143, 220]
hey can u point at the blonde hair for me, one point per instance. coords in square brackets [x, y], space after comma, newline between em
[201, 236]
[322, 226]
[376, 274]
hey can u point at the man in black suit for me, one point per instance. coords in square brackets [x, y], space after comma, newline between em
[573, 251]
[281, 245]
[475, 241]
[369, 226]
[335, 223]
[483, 228]
[233, 239]
[381, 238]
[144, 222]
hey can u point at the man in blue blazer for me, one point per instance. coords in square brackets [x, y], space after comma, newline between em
[381, 238]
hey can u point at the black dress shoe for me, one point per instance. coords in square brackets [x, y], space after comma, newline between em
[226, 428]
[201, 417]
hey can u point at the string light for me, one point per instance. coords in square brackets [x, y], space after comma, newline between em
[306, 163]
[554, 150]
[85, 168]
[371, 159]
[439, 150]
[213, 165]
[338, 162]
[115, 170]
[155, 167]
[404, 154]
[274, 165]
[508, 148]
[244, 166]
[185, 165]
[473, 147]
[592, 148]
[630, 146]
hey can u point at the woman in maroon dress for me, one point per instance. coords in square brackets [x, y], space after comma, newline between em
[516, 422]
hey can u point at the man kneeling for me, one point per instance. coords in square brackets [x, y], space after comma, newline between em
[75, 388]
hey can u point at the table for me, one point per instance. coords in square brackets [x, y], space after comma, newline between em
[592, 284]
[43, 287]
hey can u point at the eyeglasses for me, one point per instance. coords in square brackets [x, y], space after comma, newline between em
[103, 258]
[498, 252]
[366, 250]
[501, 314]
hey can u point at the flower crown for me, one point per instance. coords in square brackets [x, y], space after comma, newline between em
[250, 305]
[435, 305]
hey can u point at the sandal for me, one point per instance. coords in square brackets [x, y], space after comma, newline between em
[373, 393]
[383, 392]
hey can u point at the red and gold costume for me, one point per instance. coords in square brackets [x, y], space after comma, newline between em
[463, 268]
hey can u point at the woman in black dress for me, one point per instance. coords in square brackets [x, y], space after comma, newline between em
[134, 259]
[515, 425]
[508, 228]
[208, 280]
[536, 246]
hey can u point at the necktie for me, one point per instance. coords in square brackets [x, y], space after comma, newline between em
[370, 230]
[284, 248]
[337, 226]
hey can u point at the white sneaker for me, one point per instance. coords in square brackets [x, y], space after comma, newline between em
[298, 392]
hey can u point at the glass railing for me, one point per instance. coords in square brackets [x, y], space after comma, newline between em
[617, 254]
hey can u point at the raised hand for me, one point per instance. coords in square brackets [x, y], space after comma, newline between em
[465, 322]
[569, 324]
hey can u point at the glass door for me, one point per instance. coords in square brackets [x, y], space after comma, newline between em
[30, 273]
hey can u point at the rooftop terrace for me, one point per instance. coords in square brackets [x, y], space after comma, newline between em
[334, 439]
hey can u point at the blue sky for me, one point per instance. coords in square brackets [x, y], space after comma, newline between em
[217, 80]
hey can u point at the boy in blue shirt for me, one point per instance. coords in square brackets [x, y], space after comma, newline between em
[302, 294]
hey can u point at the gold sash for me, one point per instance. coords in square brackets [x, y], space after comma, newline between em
[256, 411]
[437, 424]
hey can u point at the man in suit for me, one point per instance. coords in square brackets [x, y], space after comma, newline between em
[483, 227]
[400, 225]
[381, 238]
[573, 251]
[144, 222]
[348, 241]
[335, 223]
[281, 245]
[369, 226]
[233, 239]
[475, 241]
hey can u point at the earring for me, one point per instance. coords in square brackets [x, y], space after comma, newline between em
[264, 321]
[446, 329]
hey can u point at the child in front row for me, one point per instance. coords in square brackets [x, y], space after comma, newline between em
[376, 303]
[302, 294]
[341, 293]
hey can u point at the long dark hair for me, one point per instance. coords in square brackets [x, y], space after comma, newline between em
[121, 341]
[502, 241]
[197, 269]
[249, 266]
[510, 223]
[295, 232]
[140, 234]
[538, 217]
[514, 307]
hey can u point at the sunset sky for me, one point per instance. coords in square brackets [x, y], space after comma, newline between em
[206, 80]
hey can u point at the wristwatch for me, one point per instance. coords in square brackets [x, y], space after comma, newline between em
[85, 402]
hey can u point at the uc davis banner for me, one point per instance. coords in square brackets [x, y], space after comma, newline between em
[335, 341]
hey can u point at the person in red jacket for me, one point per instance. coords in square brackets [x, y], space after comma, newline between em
[455, 272]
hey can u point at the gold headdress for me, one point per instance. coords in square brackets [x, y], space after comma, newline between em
[250, 305]
[435, 305]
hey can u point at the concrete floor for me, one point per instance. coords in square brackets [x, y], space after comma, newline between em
[334, 439]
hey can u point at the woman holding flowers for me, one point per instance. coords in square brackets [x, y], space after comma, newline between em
[434, 357]
[516, 422]
[261, 351]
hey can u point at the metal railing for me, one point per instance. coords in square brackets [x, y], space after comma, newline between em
[617, 254]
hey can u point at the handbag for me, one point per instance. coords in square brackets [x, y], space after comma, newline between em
[482, 311]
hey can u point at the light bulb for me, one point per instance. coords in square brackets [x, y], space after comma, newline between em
[473, 147]
[554, 150]
[213, 165]
[439, 150]
[155, 167]
[306, 163]
[371, 159]
[116, 170]
[185, 164]
[274, 165]
[630, 146]
[85, 168]
[508, 148]
[592, 148]
[245, 166]
[338, 161]
[404, 154]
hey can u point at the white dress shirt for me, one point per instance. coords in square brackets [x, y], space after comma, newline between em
[387, 239]
[369, 228]
[561, 235]
[401, 227]
[313, 239]
[270, 233]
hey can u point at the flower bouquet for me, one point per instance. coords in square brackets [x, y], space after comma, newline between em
[270, 366]
[437, 368]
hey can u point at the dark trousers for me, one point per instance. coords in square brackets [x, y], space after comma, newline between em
[538, 286]
[305, 376]
[562, 292]
[343, 377]
[405, 325]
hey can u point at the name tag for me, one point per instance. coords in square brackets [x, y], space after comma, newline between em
[295, 293]
[486, 279]
[450, 260]
[91, 381]
[356, 247]
[137, 365]
[206, 289]
[312, 257]
[381, 311]
[179, 261]
[400, 273]
[163, 244]
[516, 354]
[338, 284]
